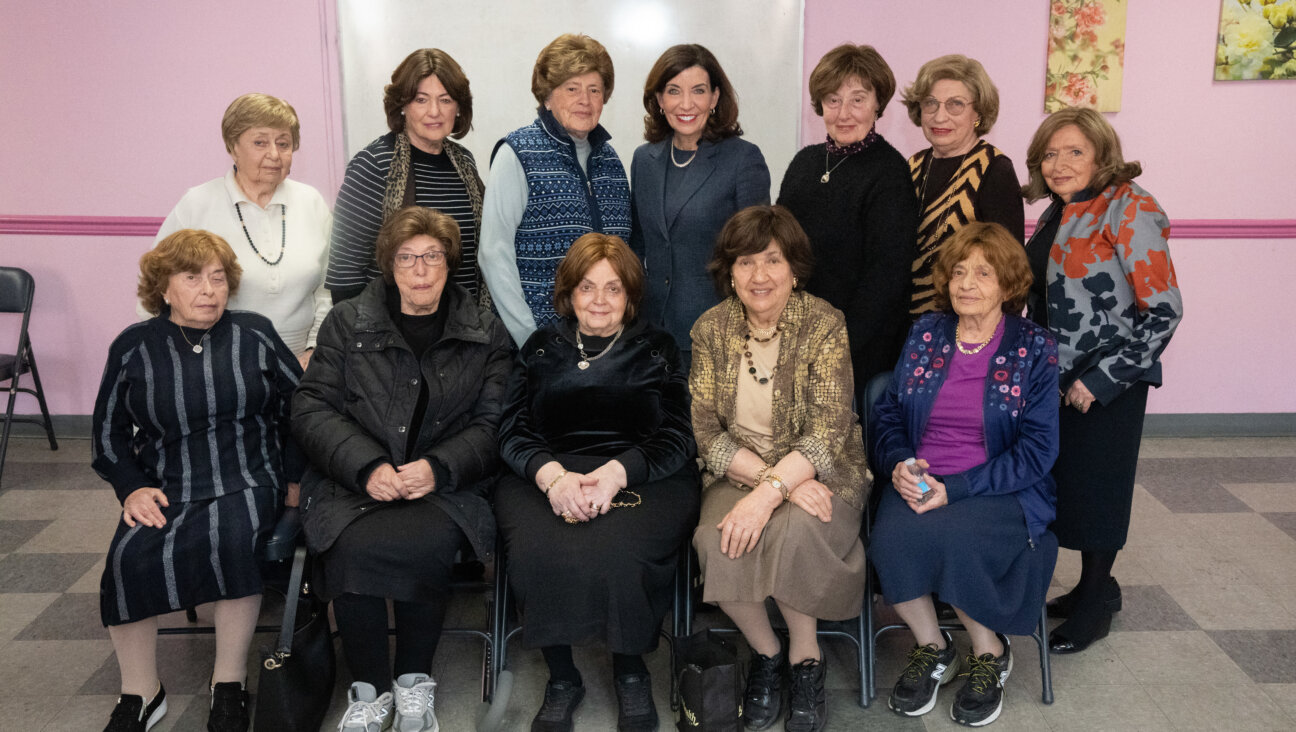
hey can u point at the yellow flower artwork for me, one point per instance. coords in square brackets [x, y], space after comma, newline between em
[1257, 39]
[1086, 54]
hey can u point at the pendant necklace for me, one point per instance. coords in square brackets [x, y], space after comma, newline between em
[828, 171]
[197, 347]
[584, 363]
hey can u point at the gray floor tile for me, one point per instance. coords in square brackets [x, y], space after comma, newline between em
[184, 665]
[1175, 657]
[1284, 521]
[1267, 656]
[29, 667]
[43, 572]
[13, 533]
[1284, 695]
[1232, 607]
[18, 609]
[1105, 708]
[74, 535]
[73, 616]
[1266, 497]
[1150, 607]
[1237, 708]
[24, 713]
[1194, 494]
[1217, 447]
[56, 476]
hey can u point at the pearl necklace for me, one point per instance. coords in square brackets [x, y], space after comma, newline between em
[584, 363]
[684, 164]
[283, 233]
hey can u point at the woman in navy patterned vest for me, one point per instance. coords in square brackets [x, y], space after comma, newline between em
[551, 182]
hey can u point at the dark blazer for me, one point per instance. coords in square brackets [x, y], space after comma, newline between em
[675, 243]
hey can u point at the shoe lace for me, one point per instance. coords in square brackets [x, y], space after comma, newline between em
[802, 695]
[637, 699]
[763, 673]
[982, 673]
[364, 713]
[921, 661]
[415, 700]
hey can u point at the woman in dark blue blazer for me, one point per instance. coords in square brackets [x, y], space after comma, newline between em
[693, 174]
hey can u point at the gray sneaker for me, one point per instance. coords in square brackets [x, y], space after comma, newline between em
[366, 711]
[415, 696]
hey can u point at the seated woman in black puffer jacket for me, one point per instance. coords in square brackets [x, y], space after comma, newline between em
[399, 415]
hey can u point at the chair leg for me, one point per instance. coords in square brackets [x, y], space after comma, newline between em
[870, 675]
[865, 656]
[40, 398]
[1046, 666]
[8, 424]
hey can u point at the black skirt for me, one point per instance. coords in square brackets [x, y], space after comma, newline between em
[605, 581]
[205, 552]
[403, 550]
[1095, 471]
[975, 554]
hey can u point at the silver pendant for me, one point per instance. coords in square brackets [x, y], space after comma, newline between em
[198, 348]
[582, 364]
[824, 177]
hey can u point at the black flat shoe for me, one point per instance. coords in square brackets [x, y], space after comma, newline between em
[763, 699]
[1060, 644]
[560, 701]
[1063, 605]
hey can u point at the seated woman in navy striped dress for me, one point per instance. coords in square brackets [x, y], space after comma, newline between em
[191, 430]
[969, 426]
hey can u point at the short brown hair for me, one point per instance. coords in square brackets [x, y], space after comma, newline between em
[588, 251]
[720, 124]
[749, 232]
[258, 110]
[1000, 248]
[187, 250]
[956, 67]
[845, 61]
[412, 71]
[1112, 168]
[568, 56]
[408, 223]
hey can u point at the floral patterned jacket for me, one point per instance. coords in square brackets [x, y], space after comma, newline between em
[813, 394]
[1113, 300]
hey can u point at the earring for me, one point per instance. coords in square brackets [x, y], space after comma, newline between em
[713, 111]
[402, 113]
[731, 284]
[794, 282]
[166, 299]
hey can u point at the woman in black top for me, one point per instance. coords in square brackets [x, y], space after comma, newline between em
[853, 197]
[191, 430]
[399, 415]
[605, 487]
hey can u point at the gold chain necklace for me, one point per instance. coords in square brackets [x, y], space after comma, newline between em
[197, 347]
[958, 340]
[584, 361]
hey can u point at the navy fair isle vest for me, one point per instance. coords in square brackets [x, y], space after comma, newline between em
[563, 203]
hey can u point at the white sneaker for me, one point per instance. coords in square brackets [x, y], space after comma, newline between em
[366, 711]
[415, 703]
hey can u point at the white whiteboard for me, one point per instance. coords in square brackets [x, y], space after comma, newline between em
[758, 42]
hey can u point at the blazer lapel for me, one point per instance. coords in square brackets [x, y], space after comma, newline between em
[695, 175]
[654, 193]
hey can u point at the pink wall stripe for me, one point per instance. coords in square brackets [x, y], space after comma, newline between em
[148, 226]
[80, 225]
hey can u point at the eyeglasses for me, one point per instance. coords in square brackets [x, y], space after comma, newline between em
[405, 260]
[954, 105]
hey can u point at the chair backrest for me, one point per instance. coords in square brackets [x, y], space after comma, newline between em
[17, 289]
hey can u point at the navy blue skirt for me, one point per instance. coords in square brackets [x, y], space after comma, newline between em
[975, 554]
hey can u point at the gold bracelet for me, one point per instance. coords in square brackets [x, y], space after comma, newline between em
[760, 475]
[554, 482]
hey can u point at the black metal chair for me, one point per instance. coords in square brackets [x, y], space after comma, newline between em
[17, 290]
[874, 391]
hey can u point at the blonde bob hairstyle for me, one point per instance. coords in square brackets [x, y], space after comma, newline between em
[1000, 248]
[412, 71]
[408, 223]
[845, 61]
[567, 56]
[588, 251]
[187, 250]
[258, 110]
[955, 67]
[1111, 166]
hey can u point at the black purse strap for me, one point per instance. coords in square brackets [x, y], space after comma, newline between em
[291, 601]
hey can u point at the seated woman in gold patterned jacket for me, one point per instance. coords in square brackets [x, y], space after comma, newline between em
[785, 469]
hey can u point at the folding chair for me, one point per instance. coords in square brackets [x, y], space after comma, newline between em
[17, 290]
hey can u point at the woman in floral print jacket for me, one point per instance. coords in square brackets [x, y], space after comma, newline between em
[1106, 288]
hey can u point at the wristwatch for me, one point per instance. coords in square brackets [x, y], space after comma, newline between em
[778, 485]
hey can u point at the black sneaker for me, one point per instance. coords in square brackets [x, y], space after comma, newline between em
[807, 702]
[228, 708]
[560, 702]
[132, 715]
[635, 709]
[763, 698]
[929, 669]
[980, 700]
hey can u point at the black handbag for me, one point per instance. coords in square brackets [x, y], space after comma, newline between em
[709, 683]
[297, 675]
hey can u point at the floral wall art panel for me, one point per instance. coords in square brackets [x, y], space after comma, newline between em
[1086, 54]
[1256, 40]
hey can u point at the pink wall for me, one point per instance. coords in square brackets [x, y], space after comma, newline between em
[114, 109]
[1212, 150]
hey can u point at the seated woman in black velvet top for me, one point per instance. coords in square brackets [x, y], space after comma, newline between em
[596, 429]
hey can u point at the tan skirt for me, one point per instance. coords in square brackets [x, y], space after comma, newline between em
[812, 567]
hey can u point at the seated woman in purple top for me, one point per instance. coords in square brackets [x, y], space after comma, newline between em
[974, 401]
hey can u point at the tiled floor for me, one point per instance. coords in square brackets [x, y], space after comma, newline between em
[1207, 639]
